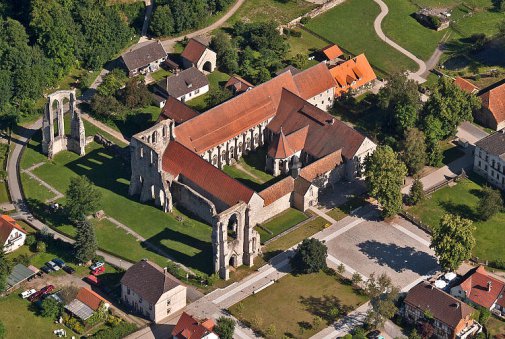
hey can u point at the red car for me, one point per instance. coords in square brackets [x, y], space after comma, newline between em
[43, 291]
[98, 270]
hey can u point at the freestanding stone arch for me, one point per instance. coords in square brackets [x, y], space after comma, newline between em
[52, 142]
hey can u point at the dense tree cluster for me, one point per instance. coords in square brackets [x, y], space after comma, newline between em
[175, 16]
[41, 40]
[310, 256]
[255, 50]
[5, 269]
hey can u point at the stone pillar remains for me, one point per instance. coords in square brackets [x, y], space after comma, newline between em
[54, 109]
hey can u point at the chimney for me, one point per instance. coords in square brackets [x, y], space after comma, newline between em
[489, 285]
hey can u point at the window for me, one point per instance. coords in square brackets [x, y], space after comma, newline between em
[485, 168]
[140, 300]
[150, 307]
[141, 152]
[480, 164]
[128, 291]
[197, 91]
[322, 102]
[168, 302]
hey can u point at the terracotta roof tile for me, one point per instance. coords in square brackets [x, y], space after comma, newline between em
[443, 306]
[476, 287]
[313, 81]
[325, 133]
[177, 111]
[321, 166]
[144, 55]
[193, 51]
[90, 298]
[277, 190]
[288, 68]
[7, 224]
[179, 160]
[149, 280]
[191, 328]
[465, 85]
[239, 84]
[494, 101]
[356, 70]
[332, 52]
[234, 116]
[285, 146]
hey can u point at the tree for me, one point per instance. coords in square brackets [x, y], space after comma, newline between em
[427, 330]
[416, 193]
[414, 151]
[82, 198]
[341, 269]
[300, 61]
[490, 203]
[383, 295]
[2, 330]
[112, 82]
[217, 96]
[227, 55]
[85, 245]
[136, 94]
[435, 155]
[40, 247]
[499, 5]
[162, 22]
[384, 174]
[450, 105]
[224, 327]
[453, 241]
[310, 256]
[356, 279]
[5, 269]
[51, 308]
[107, 107]
[414, 335]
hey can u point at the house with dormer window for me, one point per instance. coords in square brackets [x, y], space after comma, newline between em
[184, 85]
[12, 236]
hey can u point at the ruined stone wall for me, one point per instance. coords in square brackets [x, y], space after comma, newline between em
[190, 200]
[278, 206]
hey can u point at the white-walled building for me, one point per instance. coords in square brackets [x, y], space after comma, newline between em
[198, 55]
[151, 291]
[184, 86]
[489, 159]
[12, 236]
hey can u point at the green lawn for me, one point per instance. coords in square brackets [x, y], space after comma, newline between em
[20, 320]
[188, 241]
[361, 37]
[462, 199]
[160, 74]
[280, 223]
[216, 79]
[265, 10]
[495, 326]
[306, 44]
[291, 304]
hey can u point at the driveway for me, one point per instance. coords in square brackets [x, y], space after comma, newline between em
[470, 132]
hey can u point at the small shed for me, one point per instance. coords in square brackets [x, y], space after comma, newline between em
[79, 309]
[19, 274]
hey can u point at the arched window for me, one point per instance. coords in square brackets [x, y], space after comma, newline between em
[214, 160]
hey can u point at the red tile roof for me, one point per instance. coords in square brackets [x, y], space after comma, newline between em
[90, 298]
[277, 190]
[332, 52]
[190, 328]
[239, 84]
[193, 51]
[285, 146]
[234, 116]
[325, 133]
[321, 166]
[313, 81]
[353, 73]
[177, 111]
[180, 161]
[494, 101]
[7, 224]
[465, 85]
[476, 287]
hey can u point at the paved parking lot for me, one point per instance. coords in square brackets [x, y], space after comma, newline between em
[398, 248]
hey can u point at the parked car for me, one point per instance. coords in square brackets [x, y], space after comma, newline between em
[68, 269]
[98, 270]
[59, 262]
[96, 265]
[53, 265]
[92, 280]
[46, 269]
[28, 293]
[43, 291]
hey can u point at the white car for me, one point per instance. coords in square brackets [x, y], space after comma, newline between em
[53, 265]
[27, 293]
[96, 265]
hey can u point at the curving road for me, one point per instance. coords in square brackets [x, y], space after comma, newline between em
[417, 76]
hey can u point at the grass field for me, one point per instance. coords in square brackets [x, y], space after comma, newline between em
[280, 223]
[216, 79]
[462, 199]
[291, 304]
[495, 326]
[306, 44]
[160, 74]
[265, 10]
[188, 241]
[359, 37]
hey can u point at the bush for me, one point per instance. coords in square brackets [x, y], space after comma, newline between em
[40, 247]
[304, 20]
[296, 34]
[434, 21]
[2, 330]
[51, 308]
[115, 332]
[30, 240]
[224, 328]
[23, 259]
[484, 315]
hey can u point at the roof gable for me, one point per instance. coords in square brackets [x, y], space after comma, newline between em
[176, 110]
[465, 85]
[144, 55]
[7, 225]
[352, 73]
[89, 298]
[191, 328]
[183, 82]
[494, 101]
[313, 81]
[332, 52]
[482, 288]
[193, 51]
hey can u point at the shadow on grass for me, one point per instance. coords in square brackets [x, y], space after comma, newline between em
[134, 123]
[327, 307]
[462, 210]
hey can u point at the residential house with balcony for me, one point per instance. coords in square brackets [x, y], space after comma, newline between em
[151, 291]
[12, 236]
[449, 317]
[489, 159]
